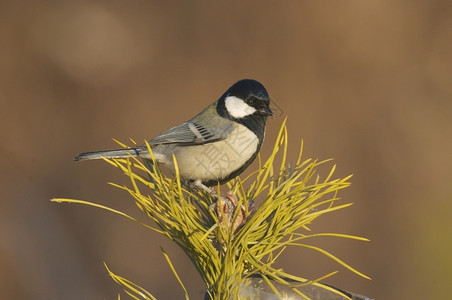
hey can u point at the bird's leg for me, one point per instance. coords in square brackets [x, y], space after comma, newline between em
[199, 184]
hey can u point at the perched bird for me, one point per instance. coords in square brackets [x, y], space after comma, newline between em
[214, 146]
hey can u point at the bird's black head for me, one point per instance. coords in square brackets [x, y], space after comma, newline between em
[243, 99]
[246, 102]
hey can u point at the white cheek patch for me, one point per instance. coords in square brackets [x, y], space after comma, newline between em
[237, 108]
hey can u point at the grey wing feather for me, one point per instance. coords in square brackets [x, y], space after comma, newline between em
[189, 133]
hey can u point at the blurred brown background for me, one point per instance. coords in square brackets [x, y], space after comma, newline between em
[366, 82]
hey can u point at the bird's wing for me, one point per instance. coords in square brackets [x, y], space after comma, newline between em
[190, 133]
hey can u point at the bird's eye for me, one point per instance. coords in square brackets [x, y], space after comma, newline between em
[250, 101]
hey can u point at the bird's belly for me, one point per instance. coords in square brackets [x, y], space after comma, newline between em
[218, 159]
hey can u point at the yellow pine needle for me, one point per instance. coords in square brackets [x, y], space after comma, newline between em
[129, 287]
[168, 260]
[294, 196]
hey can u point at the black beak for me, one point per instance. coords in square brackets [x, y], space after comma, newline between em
[265, 111]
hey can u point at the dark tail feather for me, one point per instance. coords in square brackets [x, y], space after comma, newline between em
[118, 153]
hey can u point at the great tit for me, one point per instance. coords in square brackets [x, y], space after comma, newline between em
[214, 146]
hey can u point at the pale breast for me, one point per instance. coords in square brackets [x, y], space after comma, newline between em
[215, 160]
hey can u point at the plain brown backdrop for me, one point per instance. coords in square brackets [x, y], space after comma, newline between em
[366, 82]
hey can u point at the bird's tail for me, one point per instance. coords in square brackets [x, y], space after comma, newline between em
[118, 153]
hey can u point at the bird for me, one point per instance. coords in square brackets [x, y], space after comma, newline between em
[214, 146]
